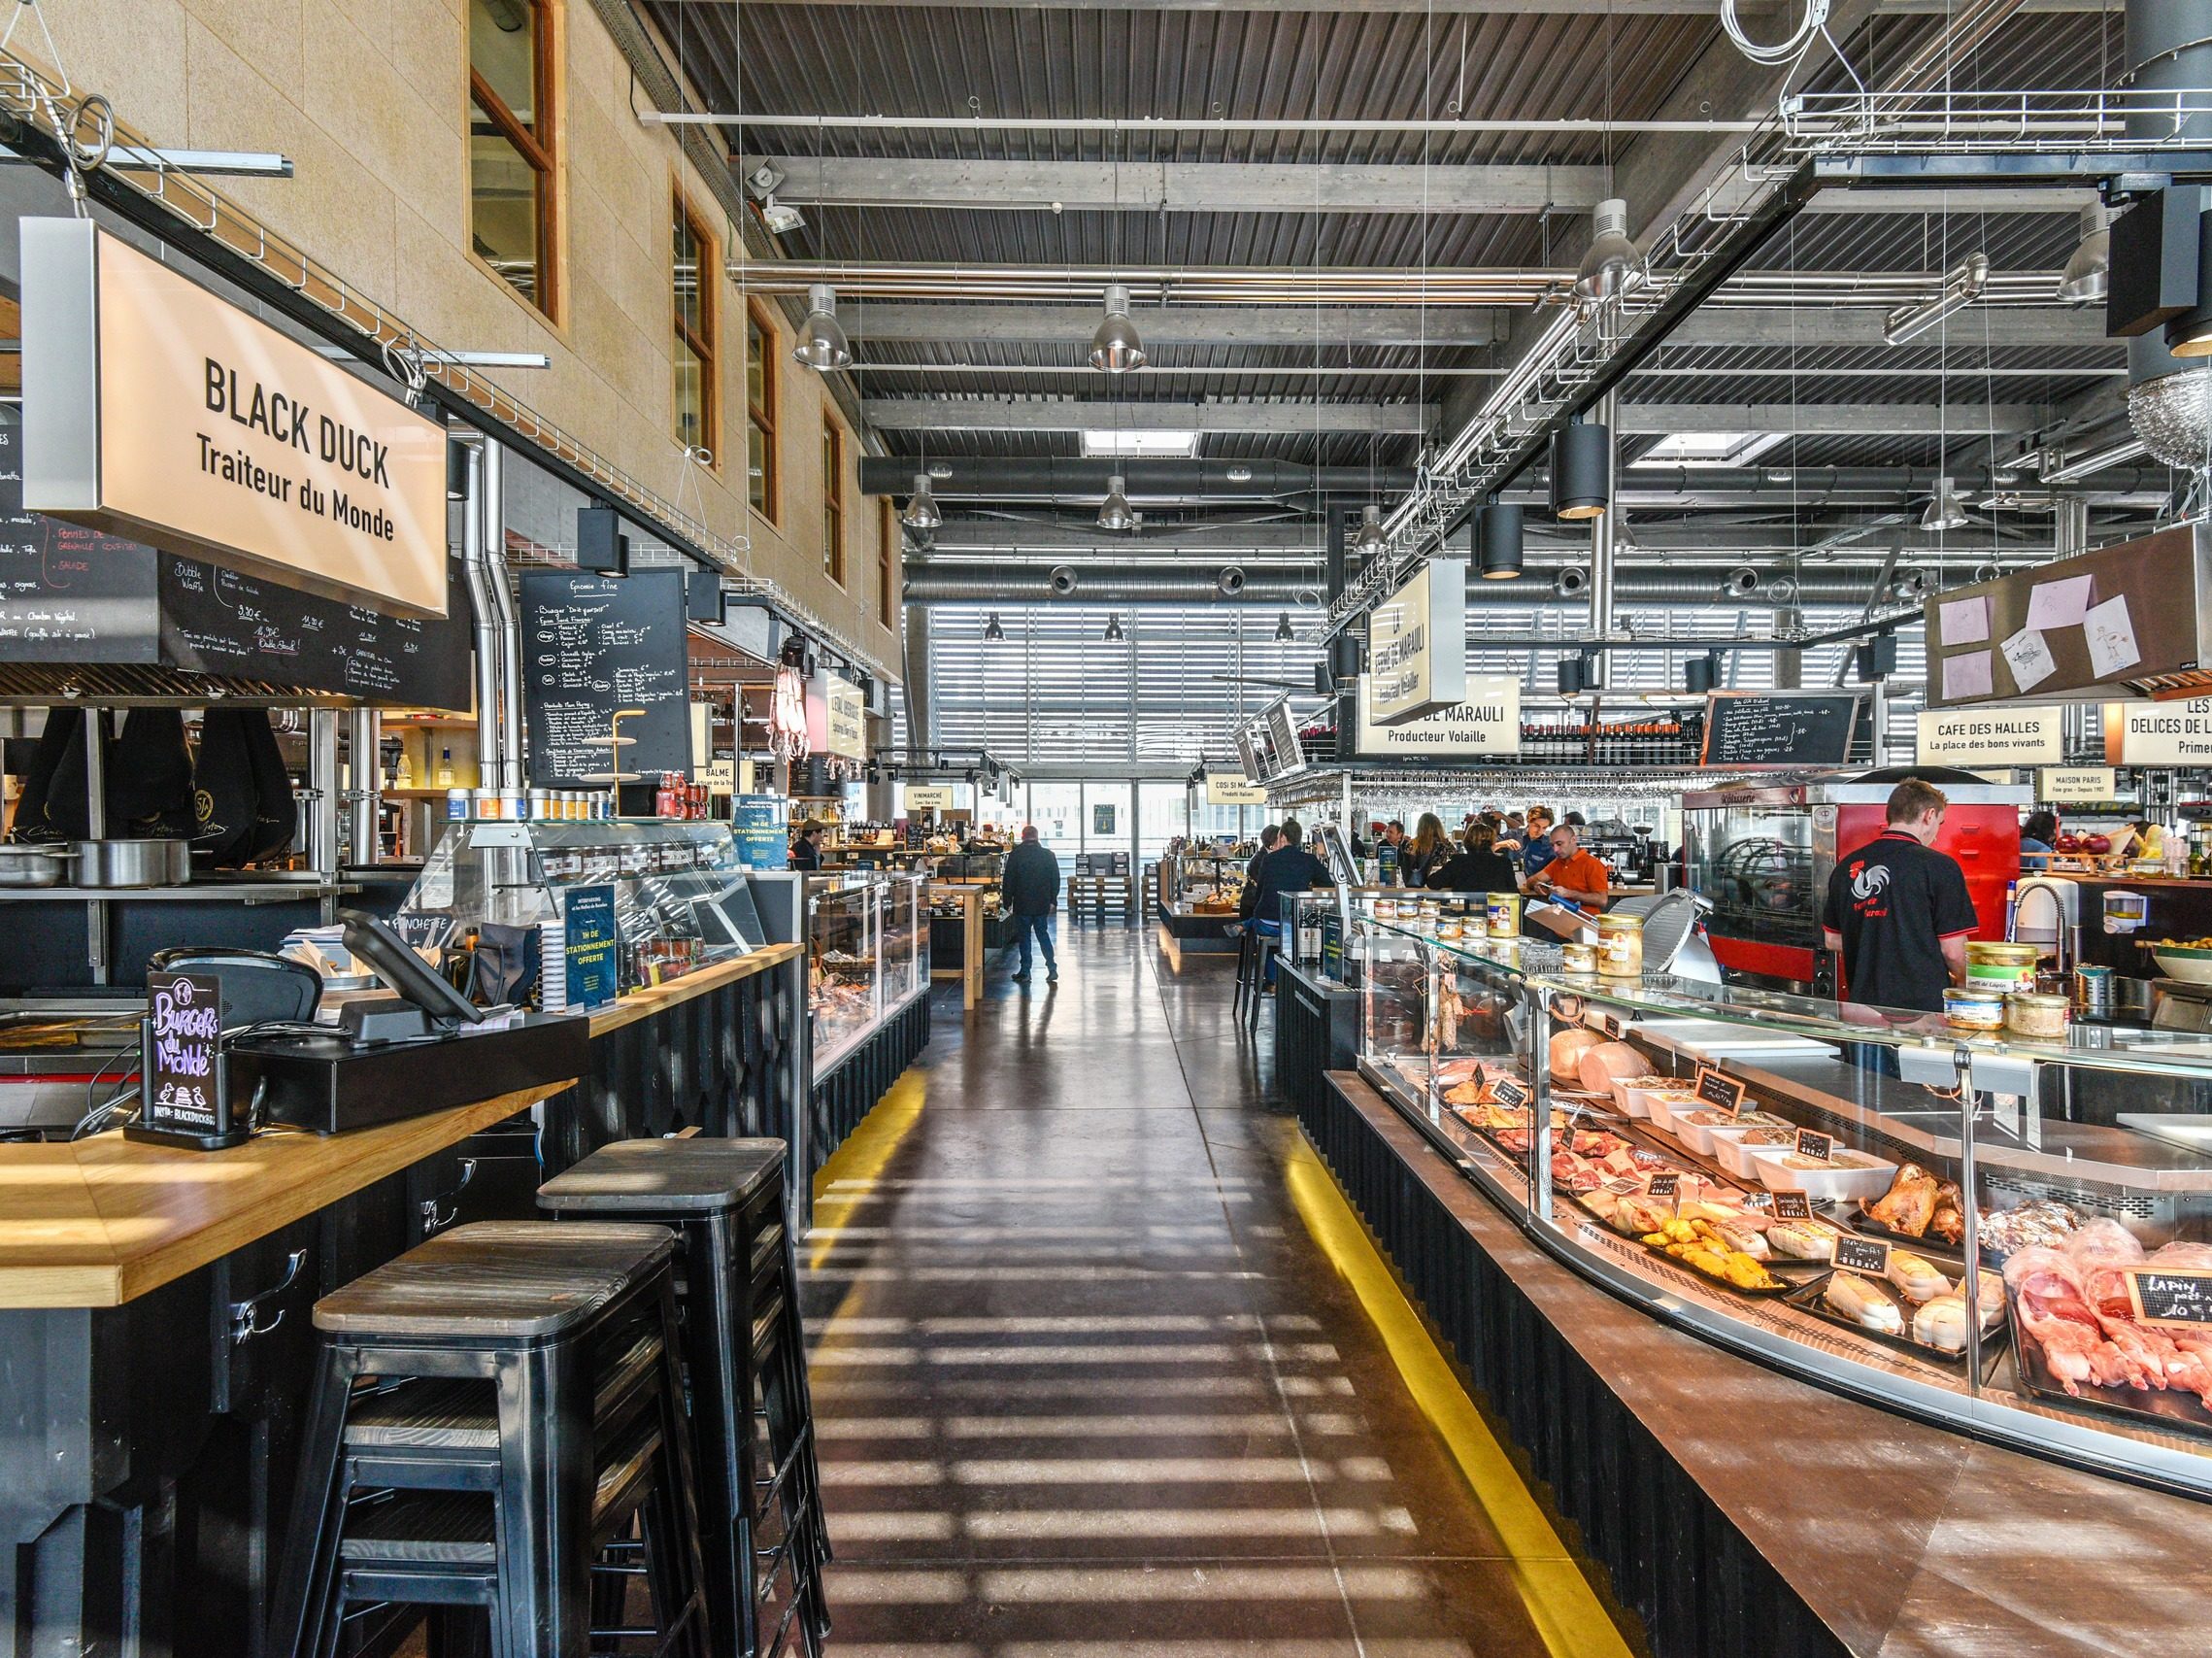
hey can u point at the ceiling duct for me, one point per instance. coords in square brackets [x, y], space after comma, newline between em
[1741, 583]
[2167, 51]
[980, 581]
[1230, 581]
[1572, 582]
[1063, 580]
[1000, 478]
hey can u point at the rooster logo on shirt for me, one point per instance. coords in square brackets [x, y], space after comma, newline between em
[1868, 881]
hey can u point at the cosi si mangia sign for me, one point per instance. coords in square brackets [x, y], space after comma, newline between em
[157, 410]
[1417, 644]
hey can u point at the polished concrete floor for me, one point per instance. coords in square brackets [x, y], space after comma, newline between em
[1103, 1364]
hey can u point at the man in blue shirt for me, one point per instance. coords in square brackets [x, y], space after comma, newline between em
[1538, 851]
[1288, 868]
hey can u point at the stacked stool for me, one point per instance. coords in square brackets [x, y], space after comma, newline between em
[495, 1413]
[745, 1361]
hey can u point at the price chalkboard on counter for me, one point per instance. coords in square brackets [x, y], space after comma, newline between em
[595, 645]
[1748, 728]
[1868, 1255]
[2171, 1295]
[182, 1073]
[1792, 1207]
[1723, 1093]
[218, 622]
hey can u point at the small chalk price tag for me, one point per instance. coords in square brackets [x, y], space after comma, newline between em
[2170, 1295]
[1511, 1092]
[1792, 1207]
[1811, 1144]
[1666, 1185]
[1753, 1202]
[1624, 1186]
[1722, 1093]
[1868, 1255]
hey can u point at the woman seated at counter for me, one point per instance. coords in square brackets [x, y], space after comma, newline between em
[1480, 866]
[2038, 836]
[1429, 849]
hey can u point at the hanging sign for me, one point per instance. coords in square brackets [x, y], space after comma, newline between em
[1486, 720]
[2161, 734]
[156, 410]
[1417, 644]
[1223, 790]
[1990, 736]
[836, 717]
[928, 798]
[2077, 785]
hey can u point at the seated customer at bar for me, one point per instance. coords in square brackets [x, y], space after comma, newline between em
[1288, 868]
[1480, 867]
[1572, 873]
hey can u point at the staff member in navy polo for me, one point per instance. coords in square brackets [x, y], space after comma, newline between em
[1900, 910]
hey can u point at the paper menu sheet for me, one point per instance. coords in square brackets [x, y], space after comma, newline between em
[2062, 603]
[2030, 657]
[2111, 636]
[1964, 621]
[1966, 676]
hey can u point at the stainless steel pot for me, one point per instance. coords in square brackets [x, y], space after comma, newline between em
[23, 865]
[133, 862]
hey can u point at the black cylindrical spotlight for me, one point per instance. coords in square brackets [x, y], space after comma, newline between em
[1323, 681]
[1877, 658]
[1344, 659]
[1497, 536]
[1699, 674]
[703, 597]
[1570, 675]
[457, 471]
[1581, 465]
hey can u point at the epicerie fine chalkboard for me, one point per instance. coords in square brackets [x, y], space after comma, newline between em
[68, 594]
[1749, 727]
[595, 644]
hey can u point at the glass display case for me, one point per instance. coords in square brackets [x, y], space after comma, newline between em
[489, 888]
[868, 956]
[2007, 1231]
[1203, 880]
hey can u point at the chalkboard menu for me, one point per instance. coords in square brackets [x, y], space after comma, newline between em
[218, 622]
[68, 594]
[72, 595]
[594, 645]
[1746, 727]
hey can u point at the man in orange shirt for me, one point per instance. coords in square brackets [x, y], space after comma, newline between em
[1572, 874]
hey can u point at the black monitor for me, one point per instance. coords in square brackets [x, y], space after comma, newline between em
[404, 972]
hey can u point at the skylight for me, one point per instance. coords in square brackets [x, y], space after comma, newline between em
[1708, 449]
[1144, 441]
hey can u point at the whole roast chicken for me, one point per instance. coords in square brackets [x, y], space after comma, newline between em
[1909, 1204]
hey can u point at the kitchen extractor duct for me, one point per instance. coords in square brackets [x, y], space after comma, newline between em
[2168, 51]
[984, 582]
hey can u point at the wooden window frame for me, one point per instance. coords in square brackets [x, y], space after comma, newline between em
[764, 417]
[886, 563]
[706, 349]
[833, 500]
[538, 151]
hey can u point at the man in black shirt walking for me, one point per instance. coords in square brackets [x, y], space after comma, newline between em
[1900, 910]
[1031, 886]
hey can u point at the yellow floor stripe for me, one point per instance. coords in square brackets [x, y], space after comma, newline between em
[865, 1154]
[1564, 1609]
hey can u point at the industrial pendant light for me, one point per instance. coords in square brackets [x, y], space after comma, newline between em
[2088, 275]
[821, 341]
[1497, 539]
[1582, 464]
[1115, 348]
[1945, 510]
[1113, 512]
[1114, 634]
[1699, 674]
[992, 628]
[1611, 266]
[921, 509]
[1283, 633]
[1370, 542]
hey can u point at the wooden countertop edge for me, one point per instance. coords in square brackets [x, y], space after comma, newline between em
[645, 1003]
[1939, 1488]
[142, 1227]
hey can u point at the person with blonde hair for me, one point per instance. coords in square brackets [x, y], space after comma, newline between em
[1425, 852]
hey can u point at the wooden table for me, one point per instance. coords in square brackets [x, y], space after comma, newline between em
[105, 1219]
[970, 970]
[645, 1003]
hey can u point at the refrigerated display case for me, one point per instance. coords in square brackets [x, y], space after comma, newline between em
[1763, 854]
[1797, 1180]
[867, 958]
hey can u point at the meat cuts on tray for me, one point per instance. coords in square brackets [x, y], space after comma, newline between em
[2073, 1308]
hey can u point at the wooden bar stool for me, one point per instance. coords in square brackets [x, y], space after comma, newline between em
[745, 1359]
[494, 1411]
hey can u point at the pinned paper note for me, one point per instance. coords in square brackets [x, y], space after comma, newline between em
[2029, 658]
[1966, 676]
[2060, 603]
[2111, 636]
[1964, 621]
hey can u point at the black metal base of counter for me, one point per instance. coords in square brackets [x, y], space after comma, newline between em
[1674, 1554]
[850, 1090]
[1317, 1031]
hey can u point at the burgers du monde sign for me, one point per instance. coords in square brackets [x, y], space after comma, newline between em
[156, 410]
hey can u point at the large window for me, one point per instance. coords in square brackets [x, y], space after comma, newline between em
[694, 267]
[833, 502]
[886, 564]
[511, 144]
[761, 478]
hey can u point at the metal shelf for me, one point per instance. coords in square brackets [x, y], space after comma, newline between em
[198, 892]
